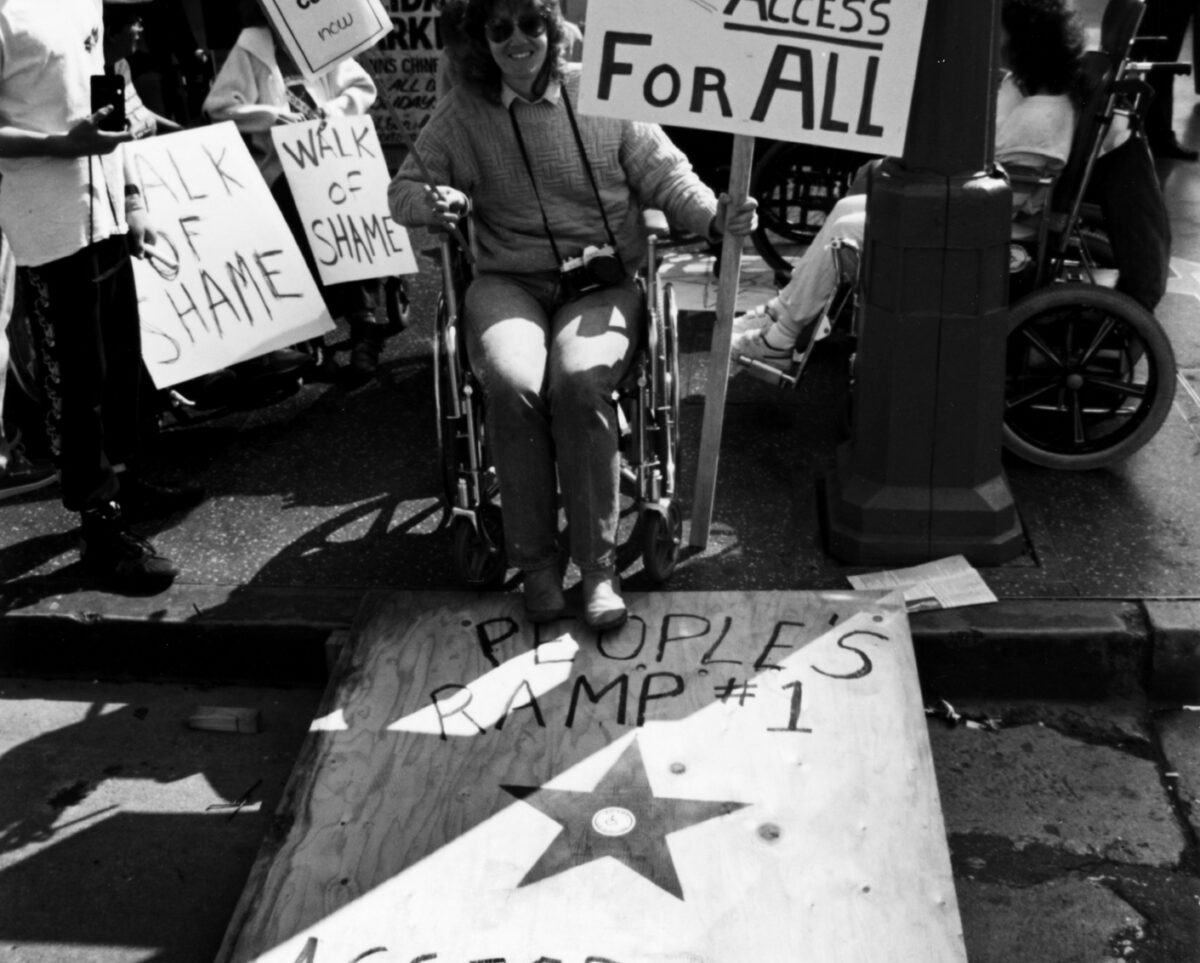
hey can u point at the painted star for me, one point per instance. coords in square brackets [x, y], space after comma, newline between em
[621, 818]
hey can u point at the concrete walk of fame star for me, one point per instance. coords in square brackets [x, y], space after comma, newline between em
[621, 818]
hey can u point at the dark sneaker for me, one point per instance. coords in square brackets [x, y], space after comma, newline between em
[23, 475]
[366, 344]
[126, 562]
[141, 500]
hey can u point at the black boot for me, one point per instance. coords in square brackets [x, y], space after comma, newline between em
[366, 343]
[126, 562]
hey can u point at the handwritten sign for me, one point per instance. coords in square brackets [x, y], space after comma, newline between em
[730, 776]
[230, 283]
[838, 73]
[404, 66]
[319, 33]
[339, 180]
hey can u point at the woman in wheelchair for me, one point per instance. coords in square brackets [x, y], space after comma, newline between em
[1041, 42]
[553, 314]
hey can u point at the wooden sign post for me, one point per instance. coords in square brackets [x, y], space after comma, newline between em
[705, 491]
[731, 776]
[839, 75]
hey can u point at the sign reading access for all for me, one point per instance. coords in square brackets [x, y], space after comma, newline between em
[838, 73]
[231, 283]
[338, 177]
[319, 33]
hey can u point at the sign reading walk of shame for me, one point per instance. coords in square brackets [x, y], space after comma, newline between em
[319, 33]
[729, 777]
[231, 283]
[838, 73]
[338, 177]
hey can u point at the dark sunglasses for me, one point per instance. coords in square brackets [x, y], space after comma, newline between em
[530, 24]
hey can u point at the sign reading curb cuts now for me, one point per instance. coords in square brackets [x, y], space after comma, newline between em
[319, 33]
[838, 73]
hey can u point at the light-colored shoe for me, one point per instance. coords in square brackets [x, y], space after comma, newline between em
[544, 600]
[763, 344]
[603, 607]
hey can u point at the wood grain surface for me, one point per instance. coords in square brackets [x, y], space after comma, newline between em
[731, 777]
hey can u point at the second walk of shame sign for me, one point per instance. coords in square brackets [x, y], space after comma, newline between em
[834, 72]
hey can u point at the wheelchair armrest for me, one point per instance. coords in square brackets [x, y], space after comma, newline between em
[654, 223]
[1027, 177]
[1175, 68]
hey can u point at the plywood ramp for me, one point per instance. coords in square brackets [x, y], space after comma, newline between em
[730, 778]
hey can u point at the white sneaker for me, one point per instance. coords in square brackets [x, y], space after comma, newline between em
[758, 344]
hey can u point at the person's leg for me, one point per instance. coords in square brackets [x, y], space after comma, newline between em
[507, 331]
[1167, 22]
[87, 332]
[594, 339]
[771, 333]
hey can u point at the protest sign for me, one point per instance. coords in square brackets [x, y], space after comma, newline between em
[404, 66]
[230, 282]
[319, 33]
[339, 180]
[839, 73]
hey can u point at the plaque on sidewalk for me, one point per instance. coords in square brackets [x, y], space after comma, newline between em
[729, 777]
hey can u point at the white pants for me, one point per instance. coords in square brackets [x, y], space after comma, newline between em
[814, 276]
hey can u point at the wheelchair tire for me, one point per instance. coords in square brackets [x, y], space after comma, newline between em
[1090, 377]
[662, 536]
[479, 558]
[796, 185]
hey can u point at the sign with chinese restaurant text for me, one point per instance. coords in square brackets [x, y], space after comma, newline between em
[839, 73]
[228, 282]
[404, 66]
[319, 33]
[731, 776]
[339, 180]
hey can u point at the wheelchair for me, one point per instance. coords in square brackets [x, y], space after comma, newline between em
[647, 403]
[1090, 373]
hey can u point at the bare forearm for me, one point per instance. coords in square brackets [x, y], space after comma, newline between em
[15, 142]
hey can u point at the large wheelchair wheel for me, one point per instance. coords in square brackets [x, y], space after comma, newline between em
[796, 186]
[1090, 377]
[479, 557]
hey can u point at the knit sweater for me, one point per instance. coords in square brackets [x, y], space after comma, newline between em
[469, 144]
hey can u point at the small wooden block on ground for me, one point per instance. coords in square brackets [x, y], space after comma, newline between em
[730, 777]
[225, 719]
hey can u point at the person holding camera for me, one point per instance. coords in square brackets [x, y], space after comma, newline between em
[553, 314]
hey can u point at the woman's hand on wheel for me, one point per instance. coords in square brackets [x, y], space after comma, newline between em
[447, 207]
[738, 221]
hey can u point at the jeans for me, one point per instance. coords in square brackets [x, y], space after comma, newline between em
[814, 276]
[548, 367]
[84, 314]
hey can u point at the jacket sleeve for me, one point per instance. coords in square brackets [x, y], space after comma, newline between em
[437, 145]
[353, 91]
[235, 95]
[661, 176]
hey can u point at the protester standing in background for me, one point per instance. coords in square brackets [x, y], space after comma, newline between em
[259, 87]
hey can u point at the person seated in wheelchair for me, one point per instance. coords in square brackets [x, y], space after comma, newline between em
[1036, 109]
[554, 311]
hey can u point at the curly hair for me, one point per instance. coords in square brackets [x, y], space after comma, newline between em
[1045, 41]
[471, 57]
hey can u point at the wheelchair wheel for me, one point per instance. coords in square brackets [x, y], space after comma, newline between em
[479, 557]
[796, 185]
[662, 536]
[1090, 377]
